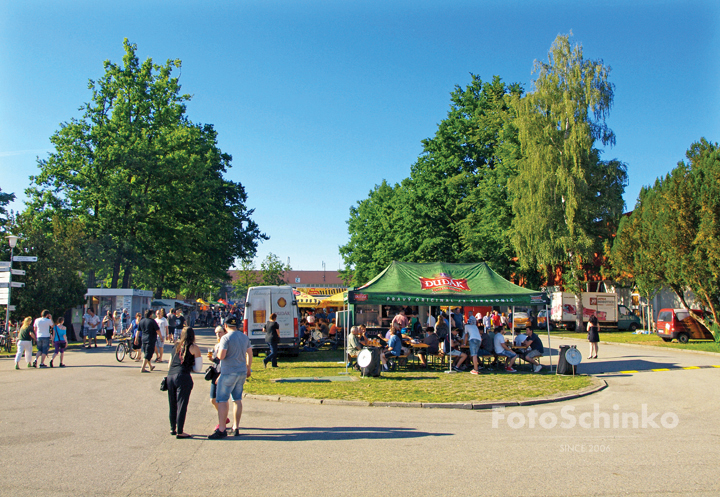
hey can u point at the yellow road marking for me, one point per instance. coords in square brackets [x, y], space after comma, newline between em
[661, 369]
[716, 365]
[627, 372]
[692, 367]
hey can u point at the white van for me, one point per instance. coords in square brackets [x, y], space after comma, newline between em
[261, 302]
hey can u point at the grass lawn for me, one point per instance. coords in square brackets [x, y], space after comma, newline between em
[405, 386]
[13, 349]
[652, 340]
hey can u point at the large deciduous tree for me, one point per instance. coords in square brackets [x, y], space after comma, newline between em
[672, 236]
[146, 183]
[567, 201]
[455, 205]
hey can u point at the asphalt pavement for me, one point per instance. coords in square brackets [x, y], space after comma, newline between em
[99, 427]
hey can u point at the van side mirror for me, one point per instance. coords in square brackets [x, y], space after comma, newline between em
[247, 304]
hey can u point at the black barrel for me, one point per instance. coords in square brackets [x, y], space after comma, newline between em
[564, 367]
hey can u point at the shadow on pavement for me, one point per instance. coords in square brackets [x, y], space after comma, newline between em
[305, 434]
[598, 366]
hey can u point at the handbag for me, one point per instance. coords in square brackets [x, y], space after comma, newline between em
[211, 373]
[163, 384]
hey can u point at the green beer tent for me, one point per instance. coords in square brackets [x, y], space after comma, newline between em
[440, 283]
[445, 284]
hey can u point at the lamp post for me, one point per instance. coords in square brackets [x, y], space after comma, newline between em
[12, 240]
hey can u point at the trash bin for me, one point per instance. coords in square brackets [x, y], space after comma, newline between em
[563, 366]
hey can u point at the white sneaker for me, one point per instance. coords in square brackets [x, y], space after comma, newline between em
[537, 368]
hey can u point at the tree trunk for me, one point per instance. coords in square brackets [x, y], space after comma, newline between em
[158, 293]
[116, 272]
[91, 279]
[127, 275]
[579, 312]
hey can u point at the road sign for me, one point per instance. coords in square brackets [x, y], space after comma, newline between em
[18, 272]
[4, 291]
[24, 258]
[4, 277]
[3, 301]
[16, 284]
[5, 263]
[11, 307]
[4, 284]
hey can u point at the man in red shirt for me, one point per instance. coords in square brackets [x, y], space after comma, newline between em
[496, 322]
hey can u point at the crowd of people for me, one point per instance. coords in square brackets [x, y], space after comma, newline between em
[43, 331]
[468, 338]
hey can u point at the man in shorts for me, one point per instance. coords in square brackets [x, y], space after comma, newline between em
[42, 326]
[173, 333]
[90, 323]
[235, 354]
[536, 350]
[475, 342]
[501, 348]
[150, 331]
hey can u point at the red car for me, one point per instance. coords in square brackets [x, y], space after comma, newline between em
[677, 324]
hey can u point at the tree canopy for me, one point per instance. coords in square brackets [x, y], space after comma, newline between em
[146, 183]
[567, 201]
[672, 236]
[455, 205]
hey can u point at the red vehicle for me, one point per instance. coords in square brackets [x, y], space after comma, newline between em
[678, 324]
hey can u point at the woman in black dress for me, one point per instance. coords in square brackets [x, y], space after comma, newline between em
[593, 336]
[186, 357]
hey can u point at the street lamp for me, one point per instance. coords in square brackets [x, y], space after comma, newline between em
[12, 241]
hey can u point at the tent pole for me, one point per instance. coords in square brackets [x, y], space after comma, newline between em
[346, 321]
[547, 323]
[448, 353]
[512, 323]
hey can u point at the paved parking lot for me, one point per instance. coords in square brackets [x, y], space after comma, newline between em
[100, 427]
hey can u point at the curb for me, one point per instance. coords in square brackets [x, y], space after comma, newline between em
[637, 345]
[597, 387]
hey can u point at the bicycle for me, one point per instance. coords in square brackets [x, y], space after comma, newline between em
[6, 341]
[124, 347]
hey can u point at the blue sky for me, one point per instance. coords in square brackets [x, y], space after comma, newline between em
[318, 101]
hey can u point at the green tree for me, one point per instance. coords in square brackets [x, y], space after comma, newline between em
[247, 276]
[567, 201]
[634, 258]
[272, 270]
[146, 183]
[671, 238]
[455, 205]
[5, 199]
[53, 282]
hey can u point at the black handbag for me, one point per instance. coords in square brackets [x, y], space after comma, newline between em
[211, 373]
[163, 384]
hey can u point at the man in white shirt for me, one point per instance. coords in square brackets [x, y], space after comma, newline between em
[519, 339]
[502, 349]
[91, 322]
[431, 321]
[42, 326]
